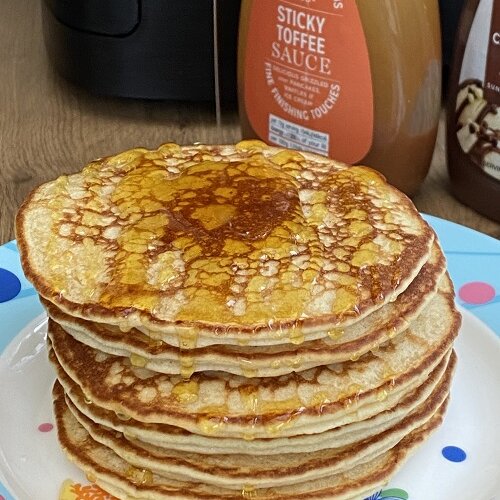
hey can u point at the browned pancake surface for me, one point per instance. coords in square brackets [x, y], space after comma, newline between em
[119, 478]
[219, 403]
[171, 437]
[235, 241]
[257, 361]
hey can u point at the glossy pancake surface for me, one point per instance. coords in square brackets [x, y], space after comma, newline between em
[175, 438]
[264, 361]
[217, 403]
[120, 478]
[234, 471]
[239, 321]
[236, 242]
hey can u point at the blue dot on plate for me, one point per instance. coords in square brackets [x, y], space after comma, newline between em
[10, 285]
[454, 453]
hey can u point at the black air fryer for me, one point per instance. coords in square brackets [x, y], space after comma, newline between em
[153, 49]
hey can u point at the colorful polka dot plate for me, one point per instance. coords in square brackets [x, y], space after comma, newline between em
[461, 460]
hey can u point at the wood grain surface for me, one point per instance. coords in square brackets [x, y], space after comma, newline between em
[49, 127]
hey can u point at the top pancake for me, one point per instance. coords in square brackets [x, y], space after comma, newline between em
[234, 241]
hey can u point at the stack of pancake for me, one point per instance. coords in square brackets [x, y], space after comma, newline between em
[244, 320]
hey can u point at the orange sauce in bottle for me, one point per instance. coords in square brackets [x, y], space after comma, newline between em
[356, 80]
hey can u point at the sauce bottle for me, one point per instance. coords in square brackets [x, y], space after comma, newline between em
[473, 115]
[356, 80]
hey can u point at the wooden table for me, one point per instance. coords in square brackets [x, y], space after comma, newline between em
[49, 127]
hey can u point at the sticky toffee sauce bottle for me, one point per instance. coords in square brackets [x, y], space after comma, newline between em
[356, 80]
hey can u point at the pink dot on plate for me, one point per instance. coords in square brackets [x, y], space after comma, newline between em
[476, 292]
[46, 427]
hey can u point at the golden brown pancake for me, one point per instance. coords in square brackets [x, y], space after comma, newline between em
[175, 438]
[262, 471]
[119, 478]
[213, 308]
[221, 243]
[250, 361]
[217, 403]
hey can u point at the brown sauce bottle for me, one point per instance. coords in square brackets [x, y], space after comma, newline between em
[473, 116]
[359, 81]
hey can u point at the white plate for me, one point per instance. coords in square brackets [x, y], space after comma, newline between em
[32, 467]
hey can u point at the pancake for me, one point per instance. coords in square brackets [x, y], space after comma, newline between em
[175, 438]
[116, 476]
[239, 321]
[216, 244]
[231, 406]
[262, 471]
[351, 343]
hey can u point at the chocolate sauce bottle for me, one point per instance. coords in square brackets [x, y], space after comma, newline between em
[473, 114]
